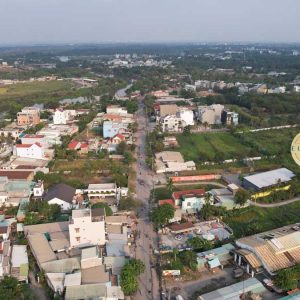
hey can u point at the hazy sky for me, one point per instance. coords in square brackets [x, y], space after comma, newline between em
[52, 21]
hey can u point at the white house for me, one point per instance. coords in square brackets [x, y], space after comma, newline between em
[102, 190]
[192, 204]
[38, 189]
[186, 116]
[87, 227]
[170, 123]
[35, 138]
[62, 117]
[61, 194]
[35, 151]
[116, 109]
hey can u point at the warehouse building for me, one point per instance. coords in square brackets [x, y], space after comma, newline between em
[268, 179]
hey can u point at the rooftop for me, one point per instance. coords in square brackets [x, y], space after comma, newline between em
[170, 156]
[102, 186]
[196, 192]
[276, 249]
[270, 178]
[61, 191]
[94, 275]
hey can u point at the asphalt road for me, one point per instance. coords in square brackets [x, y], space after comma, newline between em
[147, 238]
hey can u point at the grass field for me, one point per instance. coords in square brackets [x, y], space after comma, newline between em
[209, 146]
[252, 219]
[85, 170]
[16, 96]
[203, 147]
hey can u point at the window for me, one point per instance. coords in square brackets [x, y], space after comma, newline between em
[77, 230]
[78, 239]
[188, 204]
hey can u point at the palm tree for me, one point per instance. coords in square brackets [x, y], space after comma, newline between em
[170, 185]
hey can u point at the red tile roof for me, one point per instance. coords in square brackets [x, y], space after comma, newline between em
[181, 227]
[73, 144]
[166, 201]
[27, 145]
[196, 192]
[84, 145]
[33, 136]
[120, 136]
[16, 175]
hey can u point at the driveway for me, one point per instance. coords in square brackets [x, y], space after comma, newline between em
[286, 202]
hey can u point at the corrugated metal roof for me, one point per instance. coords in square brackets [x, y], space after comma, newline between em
[88, 291]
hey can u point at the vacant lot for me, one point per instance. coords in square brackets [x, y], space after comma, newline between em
[250, 220]
[16, 96]
[85, 170]
[211, 146]
[224, 145]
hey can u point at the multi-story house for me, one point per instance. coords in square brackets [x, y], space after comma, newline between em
[29, 116]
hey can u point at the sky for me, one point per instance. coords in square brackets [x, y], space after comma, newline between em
[101, 21]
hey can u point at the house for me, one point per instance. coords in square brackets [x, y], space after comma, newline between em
[171, 161]
[29, 116]
[13, 191]
[167, 109]
[38, 189]
[170, 123]
[35, 138]
[61, 117]
[235, 291]
[229, 117]
[80, 147]
[61, 194]
[118, 138]
[5, 252]
[87, 227]
[181, 228]
[190, 201]
[187, 116]
[17, 175]
[272, 250]
[210, 114]
[116, 109]
[170, 142]
[101, 190]
[111, 129]
[19, 263]
[160, 94]
[219, 256]
[34, 151]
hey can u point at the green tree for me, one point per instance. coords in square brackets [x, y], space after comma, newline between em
[131, 270]
[288, 279]
[31, 218]
[162, 214]
[121, 148]
[189, 259]
[9, 289]
[107, 209]
[170, 185]
[241, 196]
[200, 244]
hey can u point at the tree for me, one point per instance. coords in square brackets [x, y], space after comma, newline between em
[189, 259]
[287, 279]
[200, 244]
[187, 130]
[108, 211]
[9, 288]
[131, 270]
[128, 203]
[31, 218]
[162, 214]
[121, 148]
[170, 185]
[241, 197]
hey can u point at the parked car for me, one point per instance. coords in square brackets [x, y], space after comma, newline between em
[238, 272]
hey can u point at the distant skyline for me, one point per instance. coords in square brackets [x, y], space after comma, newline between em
[151, 21]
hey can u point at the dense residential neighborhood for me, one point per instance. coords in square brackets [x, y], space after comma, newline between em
[162, 173]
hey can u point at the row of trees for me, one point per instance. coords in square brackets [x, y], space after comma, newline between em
[129, 274]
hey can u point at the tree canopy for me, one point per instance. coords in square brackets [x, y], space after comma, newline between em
[129, 274]
[162, 214]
